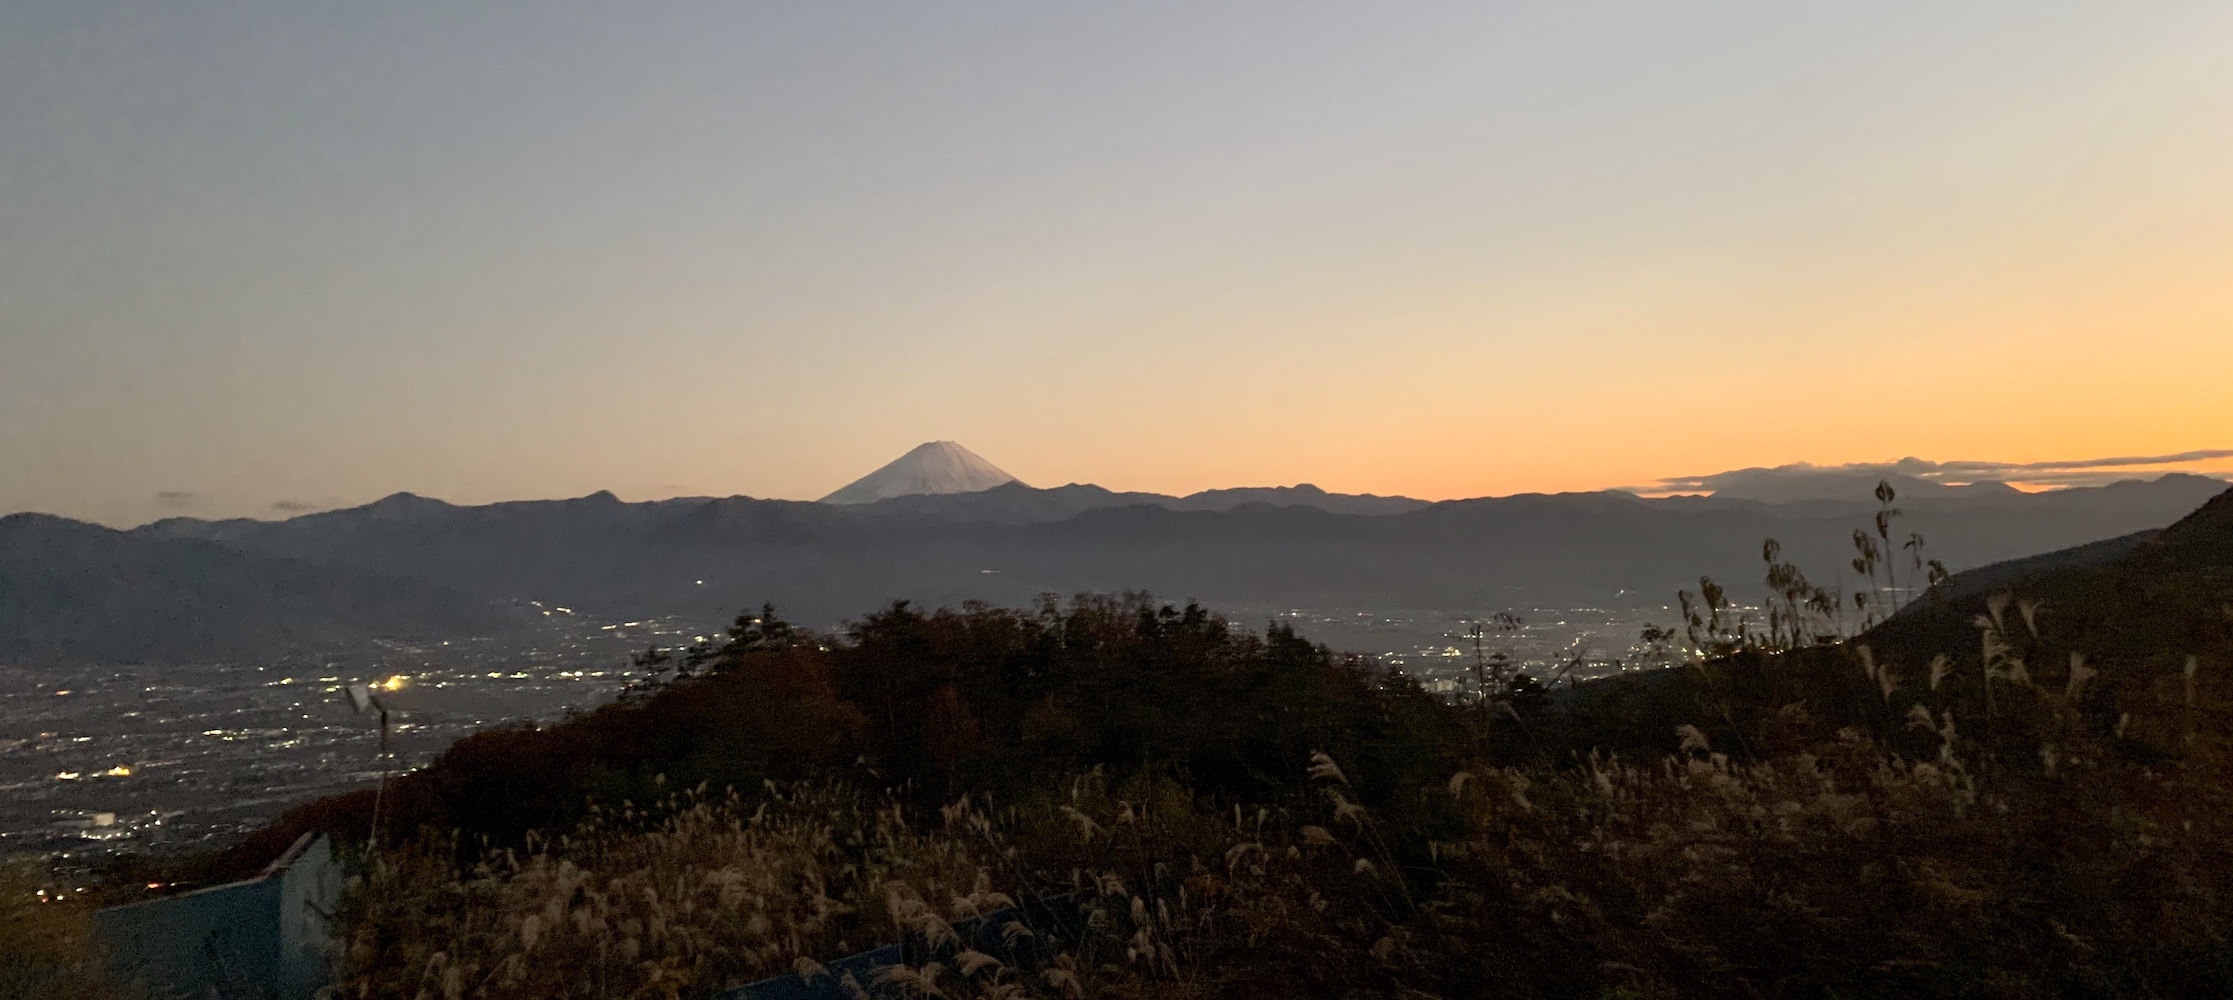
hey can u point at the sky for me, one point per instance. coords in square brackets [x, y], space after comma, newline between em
[258, 258]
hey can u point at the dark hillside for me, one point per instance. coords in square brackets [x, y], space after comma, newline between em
[2136, 609]
[2200, 543]
[939, 704]
[1984, 580]
[75, 592]
[2156, 594]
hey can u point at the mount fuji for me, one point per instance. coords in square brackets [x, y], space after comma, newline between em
[934, 467]
[942, 526]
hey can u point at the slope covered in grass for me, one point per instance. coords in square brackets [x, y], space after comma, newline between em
[2022, 793]
[939, 704]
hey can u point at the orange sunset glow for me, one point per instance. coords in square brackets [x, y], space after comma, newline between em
[1447, 253]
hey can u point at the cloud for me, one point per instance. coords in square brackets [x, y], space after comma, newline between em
[292, 506]
[2031, 471]
[178, 499]
[1806, 477]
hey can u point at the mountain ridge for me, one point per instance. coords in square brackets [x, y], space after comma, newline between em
[1014, 542]
[72, 591]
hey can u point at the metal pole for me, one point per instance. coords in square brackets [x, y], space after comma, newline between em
[372, 842]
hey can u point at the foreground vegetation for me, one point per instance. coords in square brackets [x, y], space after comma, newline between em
[45, 943]
[2022, 794]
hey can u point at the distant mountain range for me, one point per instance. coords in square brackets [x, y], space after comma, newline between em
[409, 565]
[1015, 503]
[942, 479]
[76, 592]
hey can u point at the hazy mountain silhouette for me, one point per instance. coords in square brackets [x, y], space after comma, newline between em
[1302, 495]
[71, 591]
[943, 480]
[1009, 503]
[822, 562]
[1015, 503]
[1915, 478]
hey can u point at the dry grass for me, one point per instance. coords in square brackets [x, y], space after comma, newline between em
[1842, 870]
[2036, 818]
[704, 896]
